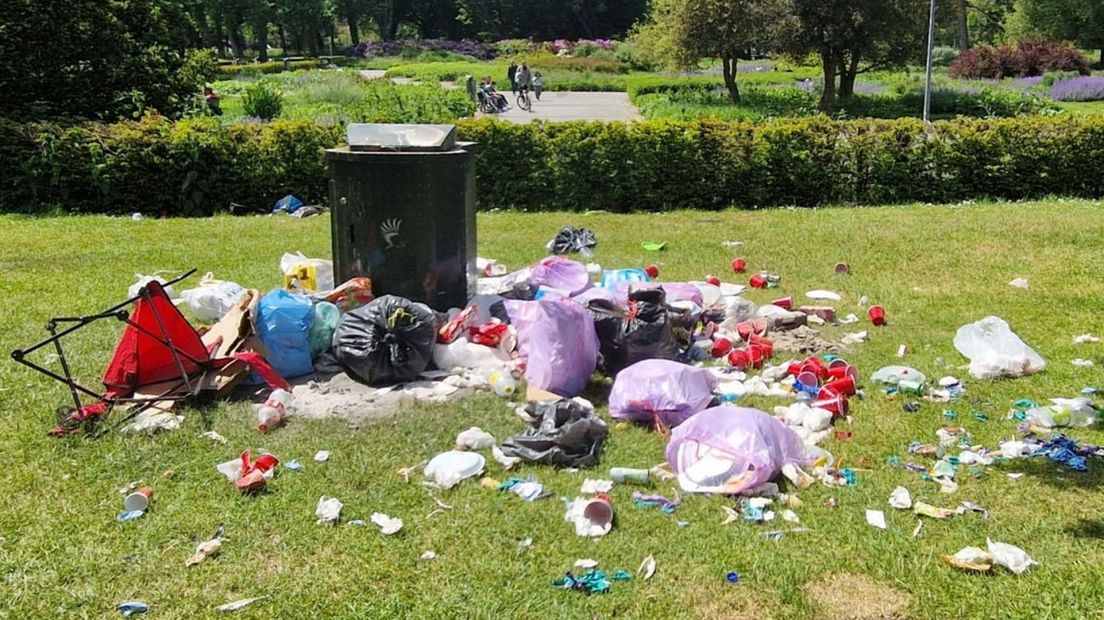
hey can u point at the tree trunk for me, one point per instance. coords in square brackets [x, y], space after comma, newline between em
[262, 41]
[283, 41]
[237, 41]
[828, 96]
[848, 73]
[220, 40]
[354, 28]
[963, 27]
[729, 66]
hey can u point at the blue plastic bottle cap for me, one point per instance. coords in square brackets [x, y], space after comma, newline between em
[733, 577]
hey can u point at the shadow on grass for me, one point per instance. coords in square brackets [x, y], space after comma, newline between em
[1051, 473]
[1087, 528]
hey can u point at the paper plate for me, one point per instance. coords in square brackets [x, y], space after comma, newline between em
[455, 463]
[823, 295]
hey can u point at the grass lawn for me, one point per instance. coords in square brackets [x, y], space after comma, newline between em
[62, 553]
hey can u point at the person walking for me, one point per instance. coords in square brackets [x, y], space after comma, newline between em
[538, 84]
[511, 75]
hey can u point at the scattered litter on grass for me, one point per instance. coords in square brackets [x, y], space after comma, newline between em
[428, 556]
[129, 608]
[1020, 283]
[322, 456]
[1085, 339]
[1082, 363]
[387, 525]
[647, 567]
[876, 518]
[207, 549]
[328, 510]
[900, 499]
[239, 604]
[213, 436]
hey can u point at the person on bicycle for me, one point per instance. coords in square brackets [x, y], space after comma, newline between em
[523, 78]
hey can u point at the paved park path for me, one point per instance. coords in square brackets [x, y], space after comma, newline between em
[574, 106]
[555, 106]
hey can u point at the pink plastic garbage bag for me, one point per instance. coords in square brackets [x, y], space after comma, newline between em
[560, 273]
[661, 391]
[729, 450]
[557, 339]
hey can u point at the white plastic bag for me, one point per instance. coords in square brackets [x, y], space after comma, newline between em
[1010, 556]
[144, 280]
[312, 274]
[994, 351]
[211, 299]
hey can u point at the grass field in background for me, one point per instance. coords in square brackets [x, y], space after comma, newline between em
[934, 268]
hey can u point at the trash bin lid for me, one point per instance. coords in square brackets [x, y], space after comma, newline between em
[401, 137]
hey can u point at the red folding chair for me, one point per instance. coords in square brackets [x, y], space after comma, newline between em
[160, 357]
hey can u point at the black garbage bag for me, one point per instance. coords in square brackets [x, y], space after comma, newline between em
[648, 331]
[389, 340]
[571, 240]
[609, 321]
[564, 434]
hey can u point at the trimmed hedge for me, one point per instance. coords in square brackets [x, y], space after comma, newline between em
[198, 166]
[191, 167]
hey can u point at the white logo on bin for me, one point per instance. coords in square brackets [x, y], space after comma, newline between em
[390, 229]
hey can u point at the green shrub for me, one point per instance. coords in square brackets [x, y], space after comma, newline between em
[263, 99]
[278, 66]
[944, 56]
[1057, 76]
[197, 166]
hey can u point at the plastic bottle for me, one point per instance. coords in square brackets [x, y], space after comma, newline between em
[273, 412]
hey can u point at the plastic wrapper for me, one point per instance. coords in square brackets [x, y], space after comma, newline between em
[661, 390]
[558, 341]
[731, 449]
[995, 351]
[563, 433]
[561, 274]
[388, 341]
[284, 325]
[354, 293]
[212, 298]
[1010, 556]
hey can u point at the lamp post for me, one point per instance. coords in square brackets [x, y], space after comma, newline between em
[931, 51]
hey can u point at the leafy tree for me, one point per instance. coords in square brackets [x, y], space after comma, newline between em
[305, 19]
[102, 59]
[1080, 21]
[855, 36]
[685, 31]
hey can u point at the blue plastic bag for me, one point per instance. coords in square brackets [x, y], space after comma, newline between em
[284, 327]
[289, 203]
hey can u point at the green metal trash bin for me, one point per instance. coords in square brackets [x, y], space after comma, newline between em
[403, 212]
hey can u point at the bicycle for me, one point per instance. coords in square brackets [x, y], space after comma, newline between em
[523, 100]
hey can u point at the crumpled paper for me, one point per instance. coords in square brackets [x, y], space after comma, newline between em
[328, 510]
[387, 525]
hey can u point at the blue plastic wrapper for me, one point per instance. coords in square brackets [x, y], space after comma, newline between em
[129, 608]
